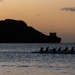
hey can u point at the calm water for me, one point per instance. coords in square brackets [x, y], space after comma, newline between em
[17, 59]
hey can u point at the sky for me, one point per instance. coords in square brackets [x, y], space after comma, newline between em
[44, 15]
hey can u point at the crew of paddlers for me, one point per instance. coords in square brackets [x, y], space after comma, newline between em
[58, 51]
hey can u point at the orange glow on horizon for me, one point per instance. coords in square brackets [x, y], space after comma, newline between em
[44, 15]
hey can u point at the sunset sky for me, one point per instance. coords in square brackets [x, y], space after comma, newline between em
[43, 15]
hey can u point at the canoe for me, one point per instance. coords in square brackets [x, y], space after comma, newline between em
[62, 52]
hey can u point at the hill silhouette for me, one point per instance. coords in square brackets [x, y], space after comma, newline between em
[17, 31]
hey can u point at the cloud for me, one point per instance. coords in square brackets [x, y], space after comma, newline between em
[68, 9]
[37, 14]
[0, 0]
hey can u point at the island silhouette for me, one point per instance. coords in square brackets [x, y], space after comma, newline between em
[17, 31]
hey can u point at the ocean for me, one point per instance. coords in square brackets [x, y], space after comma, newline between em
[17, 59]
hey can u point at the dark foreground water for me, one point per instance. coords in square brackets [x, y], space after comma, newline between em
[17, 59]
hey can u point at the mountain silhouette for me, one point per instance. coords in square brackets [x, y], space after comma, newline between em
[17, 31]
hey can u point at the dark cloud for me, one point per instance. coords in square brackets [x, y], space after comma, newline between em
[68, 9]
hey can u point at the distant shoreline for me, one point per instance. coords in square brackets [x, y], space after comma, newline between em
[17, 31]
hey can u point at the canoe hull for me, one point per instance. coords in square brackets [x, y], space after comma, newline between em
[55, 52]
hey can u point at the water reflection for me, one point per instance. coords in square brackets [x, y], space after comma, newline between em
[18, 60]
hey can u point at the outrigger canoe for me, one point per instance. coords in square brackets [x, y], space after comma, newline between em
[56, 52]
